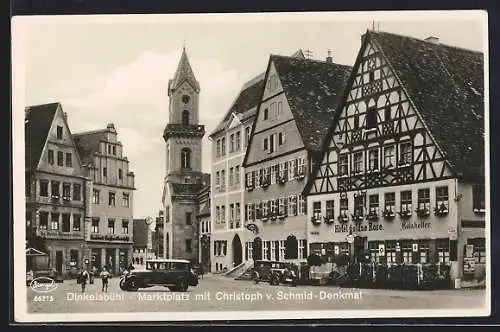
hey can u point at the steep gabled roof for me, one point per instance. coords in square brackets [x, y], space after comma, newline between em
[184, 73]
[247, 99]
[37, 123]
[446, 84]
[88, 144]
[313, 90]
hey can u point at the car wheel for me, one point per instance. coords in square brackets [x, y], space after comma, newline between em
[132, 285]
[182, 285]
[122, 285]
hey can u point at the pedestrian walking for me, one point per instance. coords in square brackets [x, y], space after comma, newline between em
[201, 271]
[105, 275]
[83, 276]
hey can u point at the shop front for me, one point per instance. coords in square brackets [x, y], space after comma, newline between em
[114, 258]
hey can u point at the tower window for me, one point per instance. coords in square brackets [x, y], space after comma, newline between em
[185, 117]
[186, 158]
[185, 99]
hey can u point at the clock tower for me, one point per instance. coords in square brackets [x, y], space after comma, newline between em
[184, 178]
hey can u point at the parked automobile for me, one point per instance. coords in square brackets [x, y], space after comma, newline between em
[176, 274]
[274, 272]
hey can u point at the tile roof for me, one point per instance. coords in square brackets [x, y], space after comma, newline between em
[446, 84]
[313, 90]
[88, 143]
[247, 99]
[37, 123]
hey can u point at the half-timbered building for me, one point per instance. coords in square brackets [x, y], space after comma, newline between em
[402, 173]
[297, 104]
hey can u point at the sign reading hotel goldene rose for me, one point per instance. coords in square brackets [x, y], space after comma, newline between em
[377, 226]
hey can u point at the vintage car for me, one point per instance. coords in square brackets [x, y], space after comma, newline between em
[274, 272]
[176, 274]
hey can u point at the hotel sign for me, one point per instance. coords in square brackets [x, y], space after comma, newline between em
[405, 225]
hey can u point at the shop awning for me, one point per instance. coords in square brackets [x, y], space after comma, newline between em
[34, 252]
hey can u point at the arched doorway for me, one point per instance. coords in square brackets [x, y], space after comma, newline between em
[237, 250]
[291, 247]
[257, 249]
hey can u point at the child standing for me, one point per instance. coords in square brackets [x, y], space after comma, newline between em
[105, 276]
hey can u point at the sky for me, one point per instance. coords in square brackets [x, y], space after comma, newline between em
[115, 69]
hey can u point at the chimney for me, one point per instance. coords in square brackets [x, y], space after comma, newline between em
[329, 58]
[432, 39]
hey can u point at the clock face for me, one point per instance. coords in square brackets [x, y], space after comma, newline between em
[185, 99]
[149, 220]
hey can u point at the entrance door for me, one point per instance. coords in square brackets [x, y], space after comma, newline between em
[110, 260]
[237, 251]
[359, 249]
[59, 261]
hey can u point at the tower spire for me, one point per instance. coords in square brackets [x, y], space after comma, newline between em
[184, 73]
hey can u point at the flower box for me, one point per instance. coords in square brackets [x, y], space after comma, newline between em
[357, 218]
[441, 210]
[342, 218]
[372, 216]
[316, 220]
[423, 212]
[329, 220]
[389, 214]
[404, 214]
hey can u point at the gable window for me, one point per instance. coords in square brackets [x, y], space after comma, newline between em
[66, 192]
[104, 172]
[358, 162]
[442, 198]
[125, 226]
[60, 157]
[356, 121]
[223, 146]
[390, 202]
[44, 220]
[343, 207]
[111, 226]
[280, 108]
[237, 175]
[95, 196]
[343, 165]
[125, 200]
[69, 160]
[406, 201]
[330, 209]
[54, 221]
[59, 132]
[66, 223]
[54, 188]
[272, 114]
[186, 158]
[405, 155]
[265, 144]
[371, 76]
[111, 199]
[95, 225]
[50, 157]
[247, 135]
[44, 188]
[373, 160]
[373, 204]
[120, 173]
[77, 192]
[266, 114]
[272, 142]
[231, 143]
[281, 138]
[424, 200]
[478, 198]
[218, 148]
[387, 114]
[231, 176]
[371, 118]
[238, 141]
[389, 156]
[185, 117]
[76, 222]
[188, 218]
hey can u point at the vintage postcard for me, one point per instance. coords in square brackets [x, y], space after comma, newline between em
[251, 166]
